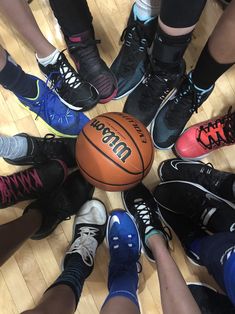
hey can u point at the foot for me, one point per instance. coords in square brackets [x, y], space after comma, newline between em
[203, 138]
[88, 232]
[41, 150]
[130, 65]
[171, 119]
[35, 182]
[48, 106]
[153, 92]
[140, 203]
[72, 90]
[215, 181]
[83, 50]
[61, 204]
[197, 203]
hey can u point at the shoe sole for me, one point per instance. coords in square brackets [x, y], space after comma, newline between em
[106, 233]
[142, 246]
[44, 122]
[130, 90]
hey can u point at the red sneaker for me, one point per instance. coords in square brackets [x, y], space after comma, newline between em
[203, 138]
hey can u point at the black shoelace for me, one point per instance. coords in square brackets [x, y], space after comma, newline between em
[213, 131]
[47, 147]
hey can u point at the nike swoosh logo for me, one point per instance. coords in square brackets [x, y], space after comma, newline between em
[232, 227]
[113, 220]
[175, 163]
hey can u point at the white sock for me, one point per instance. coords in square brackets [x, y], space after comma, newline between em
[146, 9]
[13, 147]
[51, 59]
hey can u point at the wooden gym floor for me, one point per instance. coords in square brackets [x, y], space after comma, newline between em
[35, 266]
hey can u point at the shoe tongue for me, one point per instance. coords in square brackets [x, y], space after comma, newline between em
[82, 37]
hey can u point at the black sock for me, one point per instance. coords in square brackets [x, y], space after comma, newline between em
[208, 70]
[74, 274]
[168, 50]
[12, 77]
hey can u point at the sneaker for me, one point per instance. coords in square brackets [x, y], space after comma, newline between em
[123, 238]
[171, 119]
[215, 181]
[72, 90]
[43, 149]
[88, 232]
[61, 204]
[47, 106]
[91, 67]
[32, 183]
[152, 93]
[203, 138]
[185, 229]
[130, 65]
[140, 203]
[197, 203]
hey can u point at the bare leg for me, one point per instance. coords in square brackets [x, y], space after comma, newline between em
[20, 15]
[172, 285]
[59, 300]
[14, 233]
[3, 58]
[119, 305]
[175, 31]
[222, 40]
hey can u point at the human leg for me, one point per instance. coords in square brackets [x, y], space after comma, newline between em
[216, 57]
[141, 204]
[124, 246]
[63, 295]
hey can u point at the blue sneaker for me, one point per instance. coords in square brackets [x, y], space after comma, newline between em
[123, 239]
[46, 105]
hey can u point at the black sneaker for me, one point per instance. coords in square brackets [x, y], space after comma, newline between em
[185, 229]
[73, 91]
[140, 203]
[217, 182]
[41, 150]
[61, 204]
[197, 203]
[171, 119]
[32, 183]
[84, 52]
[130, 65]
[153, 92]
[88, 232]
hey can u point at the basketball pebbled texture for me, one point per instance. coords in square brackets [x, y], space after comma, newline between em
[114, 151]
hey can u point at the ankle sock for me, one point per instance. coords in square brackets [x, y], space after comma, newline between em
[168, 50]
[13, 147]
[123, 281]
[12, 77]
[146, 9]
[51, 59]
[74, 275]
[207, 69]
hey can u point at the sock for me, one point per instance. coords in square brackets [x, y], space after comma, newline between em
[51, 59]
[13, 147]
[146, 9]
[74, 275]
[207, 69]
[229, 277]
[123, 281]
[151, 233]
[12, 77]
[168, 50]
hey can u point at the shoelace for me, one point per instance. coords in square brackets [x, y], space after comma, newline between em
[85, 244]
[11, 187]
[68, 78]
[133, 37]
[216, 139]
[45, 146]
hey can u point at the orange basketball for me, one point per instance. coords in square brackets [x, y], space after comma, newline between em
[114, 151]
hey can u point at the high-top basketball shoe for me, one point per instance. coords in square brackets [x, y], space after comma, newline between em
[34, 182]
[203, 138]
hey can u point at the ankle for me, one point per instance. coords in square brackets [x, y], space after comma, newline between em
[156, 239]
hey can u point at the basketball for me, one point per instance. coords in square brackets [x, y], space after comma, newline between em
[114, 151]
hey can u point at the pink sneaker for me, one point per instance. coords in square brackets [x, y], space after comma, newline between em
[203, 138]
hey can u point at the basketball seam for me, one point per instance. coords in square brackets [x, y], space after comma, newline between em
[124, 169]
